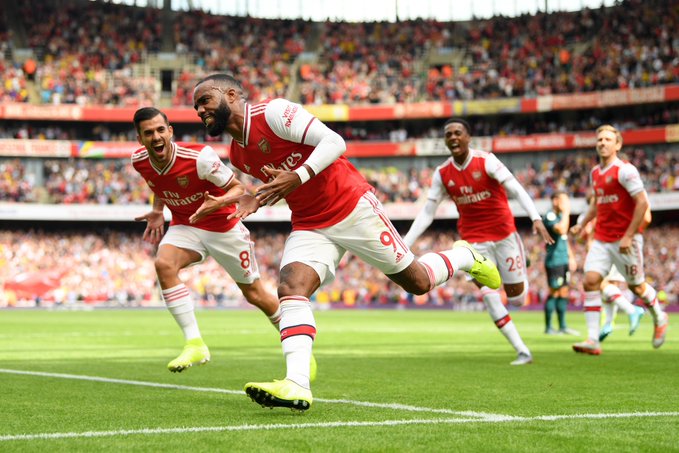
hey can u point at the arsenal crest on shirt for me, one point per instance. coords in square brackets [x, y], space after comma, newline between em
[183, 181]
[264, 146]
[476, 175]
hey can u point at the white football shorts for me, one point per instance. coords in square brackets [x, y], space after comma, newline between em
[615, 275]
[366, 232]
[233, 250]
[603, 255]
[508, 255]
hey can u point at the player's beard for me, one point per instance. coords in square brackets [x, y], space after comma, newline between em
[221, 119]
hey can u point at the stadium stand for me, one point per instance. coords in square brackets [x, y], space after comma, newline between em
[533, 98]
[114, 267]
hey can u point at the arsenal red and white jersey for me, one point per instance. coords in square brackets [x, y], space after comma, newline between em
[476, 188]
[193, 170]
[614, 188]
[273, 135]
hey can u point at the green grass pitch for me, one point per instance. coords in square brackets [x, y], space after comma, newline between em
[429, 381]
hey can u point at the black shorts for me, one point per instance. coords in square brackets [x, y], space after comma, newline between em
[558, 276]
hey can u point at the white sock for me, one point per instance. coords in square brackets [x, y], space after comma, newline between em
[500, 316]
[442, 265]
[298, 330]
[612, 294]
[593, 314]
[651, 301]
[276, 319]
[179, 303]
[609, 312]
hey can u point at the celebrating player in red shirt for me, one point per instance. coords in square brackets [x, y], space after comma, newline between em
[620, 206]
[334, 210]
[478, 184]
[184, 177]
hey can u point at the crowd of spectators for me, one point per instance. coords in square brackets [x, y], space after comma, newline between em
[87, 52]
[630, 45]
[117, 268]
[114, 181]
[259, 52]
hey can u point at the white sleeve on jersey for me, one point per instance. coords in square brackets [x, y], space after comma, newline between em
[630, 179]
[288, 120]
[426, 216]
[496, 169]
[516, 190]
[211, 168]
[292, 122]
[436, 191]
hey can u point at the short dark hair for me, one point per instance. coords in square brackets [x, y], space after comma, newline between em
[222, 80]
[146, 113]
[558, 193]
[461, 121]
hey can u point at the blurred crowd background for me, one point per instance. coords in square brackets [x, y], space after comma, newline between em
[116, 267]
[87, 53]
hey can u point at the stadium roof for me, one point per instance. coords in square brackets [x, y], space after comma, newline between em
[373, 10]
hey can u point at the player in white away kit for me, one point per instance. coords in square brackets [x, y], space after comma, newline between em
[478, 183]
[333, 210]
[182, 177]
[620, 207]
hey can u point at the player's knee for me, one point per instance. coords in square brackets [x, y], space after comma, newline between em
[516, 294]
[592, 281]
[417, 287]
[414, 279]
[165, 267]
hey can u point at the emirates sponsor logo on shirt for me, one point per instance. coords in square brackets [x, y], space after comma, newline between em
[173, 201]
[264, 146]
[183, 181]
[472, 197]
[291, 162]
[607, 199]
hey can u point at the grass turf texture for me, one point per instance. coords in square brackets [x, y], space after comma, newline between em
[451, 369]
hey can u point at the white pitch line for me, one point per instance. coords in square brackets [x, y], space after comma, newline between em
[121, 381]
[269, 427]
[393, 406]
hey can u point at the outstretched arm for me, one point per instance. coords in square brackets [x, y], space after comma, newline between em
[517, 191]
[421, 223]
[234, 190]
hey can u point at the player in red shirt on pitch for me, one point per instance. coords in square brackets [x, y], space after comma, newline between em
[334, 210]
[620, 208]
[184, 177]
[478, 183]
